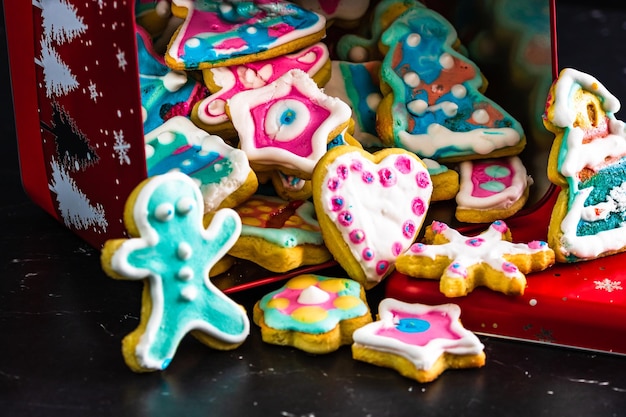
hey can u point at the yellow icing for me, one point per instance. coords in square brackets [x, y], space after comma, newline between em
[309, 314]
[301, 282]
[346, 302]
[278, 303]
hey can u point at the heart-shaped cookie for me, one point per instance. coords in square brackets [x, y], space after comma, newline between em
[370, 207]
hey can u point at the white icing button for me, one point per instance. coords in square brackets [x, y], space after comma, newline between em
[458, 91]
[449, 108]
[185, 273]
[446, 61]
[373, 100]
[174, 80]
[164, 212]
[144, 114]
[251, 30]
[192, 43]
[358, 54]
[480, 116]
[166, 137]
[413, 39]
[411, 79]
[217, 106]
[532, 302]
[189, 293]
[149, 150]
[313, 295]
[185, 205]
[184, 251]
[417, 107]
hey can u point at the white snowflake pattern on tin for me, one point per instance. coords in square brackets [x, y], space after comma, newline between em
[121, 147]
[93, 91]
[608, 285]
[121, 59]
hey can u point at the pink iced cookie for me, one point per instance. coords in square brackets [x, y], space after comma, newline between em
[287, 124]
[370, 207]
[417, 340]
[491, 189]
[462, 263]
[221, 33]
[225, 82]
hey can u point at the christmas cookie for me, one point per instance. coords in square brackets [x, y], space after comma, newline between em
[432, 102]
[313, 313]
[418, 341]
[290, 187]
[221, 171]
[358, 85]
[370, 207]
[462, 263]
[224, 82]
[445, 180]
[165, 93]
[288, 124]
[279, 235]
[172, 253]
[587, 161]
[491, 189]
[233, 32]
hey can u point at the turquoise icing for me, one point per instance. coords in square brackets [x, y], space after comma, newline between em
[165, 258]
[277, 319]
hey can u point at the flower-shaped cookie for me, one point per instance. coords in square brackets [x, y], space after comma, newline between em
[313, 313]
[172, 253]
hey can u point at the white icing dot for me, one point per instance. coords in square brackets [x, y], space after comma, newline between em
[186, 162]
[449, 108]
[184, 251]
[251, 30]
[164, 212]
[413, 39]
[458, 91]
[446, 61]
[144, 114]
[532, 302]
[174, 80]
[480, 116]
[185, 205]
[192, 43]
[358, 54]
[313, 295]
[373, 100]
[149, 151]
[189, 293]
[166, 138]
[412, 79]
[185, 273]
[417, 107]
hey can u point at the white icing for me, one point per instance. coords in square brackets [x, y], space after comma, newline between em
[479, 141]
[313, 295]
[423, 357]
[446, 61]
[459, 91]
[480, 116]
[412, 79]
[413, 39]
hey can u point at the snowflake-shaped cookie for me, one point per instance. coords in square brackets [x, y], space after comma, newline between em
[172, 253]
[463, 263]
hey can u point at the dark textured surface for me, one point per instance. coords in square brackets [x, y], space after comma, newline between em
[62, 320]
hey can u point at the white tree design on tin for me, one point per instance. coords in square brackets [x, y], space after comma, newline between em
[60, 20]
[61, 24]
[74, 206]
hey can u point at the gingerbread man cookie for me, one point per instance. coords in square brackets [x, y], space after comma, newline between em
[462, 263]
[172, 253]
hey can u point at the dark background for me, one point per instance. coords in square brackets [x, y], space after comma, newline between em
[62, 320]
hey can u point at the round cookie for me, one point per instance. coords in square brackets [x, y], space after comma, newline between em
[313, 313]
